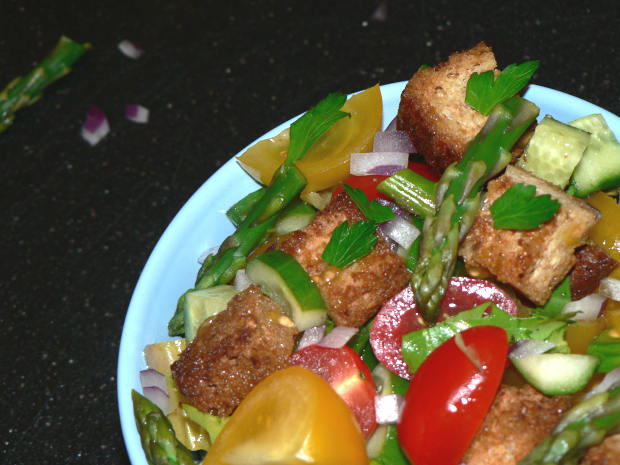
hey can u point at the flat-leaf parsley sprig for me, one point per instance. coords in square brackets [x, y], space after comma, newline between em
[520, 208]
[484, 91]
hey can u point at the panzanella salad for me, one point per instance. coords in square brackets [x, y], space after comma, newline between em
[444, 291]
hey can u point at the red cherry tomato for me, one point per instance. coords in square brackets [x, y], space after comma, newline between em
[345, 371]
[450, 395]
[399, 316]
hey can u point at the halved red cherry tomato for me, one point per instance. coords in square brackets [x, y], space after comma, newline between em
[368, 184]
[450, 395]
[345, 371]
[399, 316]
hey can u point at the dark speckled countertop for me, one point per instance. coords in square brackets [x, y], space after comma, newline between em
[78, 222]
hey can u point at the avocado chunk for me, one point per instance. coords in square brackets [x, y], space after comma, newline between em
[203, 303]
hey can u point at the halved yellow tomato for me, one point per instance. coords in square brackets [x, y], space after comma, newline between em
[292, 417]
[606, 232]
[327, 162]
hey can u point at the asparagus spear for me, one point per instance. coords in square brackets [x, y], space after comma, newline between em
[262, 215]
[457, 200]
[23, 91]
[583, 426]
[410, 191]
[160, 445]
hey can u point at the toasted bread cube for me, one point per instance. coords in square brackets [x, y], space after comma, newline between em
[433, 110]
[353, 294]
[533, 261]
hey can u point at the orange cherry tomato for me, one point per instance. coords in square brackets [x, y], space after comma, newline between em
[291, 417]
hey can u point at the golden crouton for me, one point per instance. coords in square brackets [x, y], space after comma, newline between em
[233, 351]
[519, 418]
[433, 110]
[606, 453]
[353, 294]
[533, 261]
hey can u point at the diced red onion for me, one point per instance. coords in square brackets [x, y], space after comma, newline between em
[400, 231]
[392, 141]
[587, 308]
[338, 337]
[609, 382]
[528, 347]
[158, 397]
[391, 126]
[311, 336]
[381, 163]
[389, 408]
[610, 287]
[241, 281]
[96, 126]
[137, 113]
[151, 377]
[130, 49]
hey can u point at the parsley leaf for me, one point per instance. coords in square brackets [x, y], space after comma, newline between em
[484, 91]
[313, 124]
[348, 243]
[518, 208]
[373, 211]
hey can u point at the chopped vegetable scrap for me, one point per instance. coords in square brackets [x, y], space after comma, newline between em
[387, 311]
[96, 126]
[130, 49]
[137, 113]
[24, 91]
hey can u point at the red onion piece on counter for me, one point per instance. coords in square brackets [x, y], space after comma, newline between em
[587, 308]
[151, 377]
[528, 347]
[96, 126]
[311, 336]
[610, 287]
[130, 49]
[389, 408]
[338, 337]
[382, 163]
[392, 141]
[400, 231]
[137, 113]
[159, 398]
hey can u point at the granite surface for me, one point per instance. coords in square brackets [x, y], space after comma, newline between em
[79, 222]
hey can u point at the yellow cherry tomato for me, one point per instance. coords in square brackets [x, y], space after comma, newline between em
[606, 232]
[292, 417]
[581, 333]
[327, 162]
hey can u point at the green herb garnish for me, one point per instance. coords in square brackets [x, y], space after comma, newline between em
[519, 208]
[418, 345]
[348, 243]
[484, 91]
[313, 124]
[373, 211]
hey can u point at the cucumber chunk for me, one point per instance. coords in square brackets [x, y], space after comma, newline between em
[554, 151]
[599, 168]
[282, 278]
[297, 216]
[203, 303]
[555, 374]
[210, 423]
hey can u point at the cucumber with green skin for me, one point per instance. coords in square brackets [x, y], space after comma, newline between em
[282, 278]
[554, 151]
[599, 168]
[201, 304]
[556, 374]
[296, 216]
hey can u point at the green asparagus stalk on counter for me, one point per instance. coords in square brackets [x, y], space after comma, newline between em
[24, 91]
[457, 200]
[266, 207]
[583, 426]
[159, 442]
